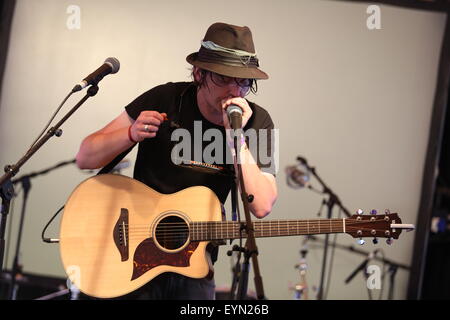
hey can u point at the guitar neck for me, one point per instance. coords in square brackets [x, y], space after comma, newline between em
[219, 230]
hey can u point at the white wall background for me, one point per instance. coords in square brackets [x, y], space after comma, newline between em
[355, 102]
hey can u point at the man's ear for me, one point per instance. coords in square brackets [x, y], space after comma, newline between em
[197, 74]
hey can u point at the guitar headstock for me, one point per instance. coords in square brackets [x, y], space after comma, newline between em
[387, 225]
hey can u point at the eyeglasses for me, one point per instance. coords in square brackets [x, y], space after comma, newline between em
[222, 81]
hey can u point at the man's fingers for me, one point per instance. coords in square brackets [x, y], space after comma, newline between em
[150, 121]
[147, 124]
[145, 135]
[154, 114]
[149, 128]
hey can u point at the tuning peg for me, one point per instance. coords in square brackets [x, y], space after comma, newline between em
[389, 241]
[375, 241]
[361, 241]
[373, 211]
[360, 211]
[387, 211]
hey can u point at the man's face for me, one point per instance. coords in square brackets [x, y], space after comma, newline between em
[218, 88]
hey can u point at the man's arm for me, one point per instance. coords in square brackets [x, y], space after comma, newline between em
[101, 147]
[260, 184]
[257, 183]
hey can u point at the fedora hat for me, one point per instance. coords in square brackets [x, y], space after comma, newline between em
[228, 50]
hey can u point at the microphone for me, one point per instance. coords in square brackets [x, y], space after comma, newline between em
[362, 266]
[234, 113]
[111, 65]
[296, 178]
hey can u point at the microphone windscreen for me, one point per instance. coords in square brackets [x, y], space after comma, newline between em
[114, 63]
[233, 108]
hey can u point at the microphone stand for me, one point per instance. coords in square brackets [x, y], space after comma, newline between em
[16, 268]
[393, 266]
[236, 270]
[333, 200]
[361, 267]
[351, 248]
[301, 289]
[250, 250]
[26, 186]
[6, 186]
[392, 272]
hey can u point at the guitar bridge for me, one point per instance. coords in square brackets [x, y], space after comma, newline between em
[120, 234]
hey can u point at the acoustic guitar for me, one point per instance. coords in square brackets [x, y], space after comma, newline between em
[117, 234]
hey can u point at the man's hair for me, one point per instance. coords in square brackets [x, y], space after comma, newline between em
[205, 73]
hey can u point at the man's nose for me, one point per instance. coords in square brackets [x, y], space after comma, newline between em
[235, 90]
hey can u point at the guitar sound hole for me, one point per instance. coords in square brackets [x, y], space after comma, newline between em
[172, 232]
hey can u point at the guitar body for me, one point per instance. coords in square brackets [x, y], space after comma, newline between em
[115, 234]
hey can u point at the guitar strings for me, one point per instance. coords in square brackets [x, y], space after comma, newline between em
[281, 230]
[201, 230]
[222, 225]
[322, 222]
[275, 225]
[191, 237]
[227, 235]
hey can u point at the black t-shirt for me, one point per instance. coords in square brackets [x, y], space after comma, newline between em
[154, 165]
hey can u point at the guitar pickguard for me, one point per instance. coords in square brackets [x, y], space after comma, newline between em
[148, 256]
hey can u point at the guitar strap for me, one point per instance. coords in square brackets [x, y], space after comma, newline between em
[108, 168]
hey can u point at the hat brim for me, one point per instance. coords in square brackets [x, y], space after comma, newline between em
[229, 71]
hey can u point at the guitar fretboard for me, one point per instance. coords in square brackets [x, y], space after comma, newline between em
[216, 230]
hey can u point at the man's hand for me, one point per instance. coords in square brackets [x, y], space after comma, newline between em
[147, 125]
[241, 102]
